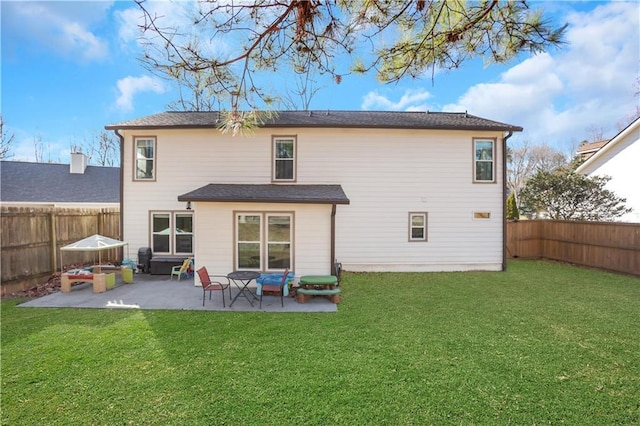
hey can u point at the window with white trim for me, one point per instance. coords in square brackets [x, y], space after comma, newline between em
[172, 233]
[264, 241]
[484, 160]
[284, 158]
[418, 226]
[145, 158]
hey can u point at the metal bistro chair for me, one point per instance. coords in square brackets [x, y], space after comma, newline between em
[211, 285]
[275, 288]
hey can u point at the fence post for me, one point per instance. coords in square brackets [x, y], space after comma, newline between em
[54, 241]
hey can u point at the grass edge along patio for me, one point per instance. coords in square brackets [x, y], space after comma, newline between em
[543, 342]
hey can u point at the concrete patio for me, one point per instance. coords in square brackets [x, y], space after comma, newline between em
[159, 292]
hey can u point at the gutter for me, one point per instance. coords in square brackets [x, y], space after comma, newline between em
[121, 138]
[333, 239]
[504, 200]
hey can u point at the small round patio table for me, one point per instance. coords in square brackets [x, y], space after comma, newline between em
[241, 279]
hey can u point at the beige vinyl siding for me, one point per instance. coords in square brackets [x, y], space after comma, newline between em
[385, 173]
[215, 235]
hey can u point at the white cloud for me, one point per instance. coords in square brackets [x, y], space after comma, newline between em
[411, 100]
[558, 96]
[131, 86]
[61, 27]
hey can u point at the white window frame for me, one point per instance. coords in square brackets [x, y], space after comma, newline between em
[263, 243]
[172, 232]
[237, 241]
[153, 159]
[477, 160]
[276, 159]
[424, 227]
[267, 240]
[183, 233]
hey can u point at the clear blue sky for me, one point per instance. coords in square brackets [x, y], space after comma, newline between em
[70, 67]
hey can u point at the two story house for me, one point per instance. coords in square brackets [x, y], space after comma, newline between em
[377, 191]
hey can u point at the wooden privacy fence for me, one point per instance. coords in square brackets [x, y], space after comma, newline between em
[606, 245]
[32, 238]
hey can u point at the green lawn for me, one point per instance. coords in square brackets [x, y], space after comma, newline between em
[543, 343]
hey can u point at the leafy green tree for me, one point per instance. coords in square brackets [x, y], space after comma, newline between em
[567, 195]
[229, 44]
[512, 208]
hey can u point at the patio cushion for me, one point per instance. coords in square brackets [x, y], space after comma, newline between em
[319, 280]
[274, 280]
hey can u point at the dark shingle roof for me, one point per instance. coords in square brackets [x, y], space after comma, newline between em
[53, 183]
[312, 194]
[326, 119]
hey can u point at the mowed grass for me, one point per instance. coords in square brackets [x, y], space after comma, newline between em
[543, 343]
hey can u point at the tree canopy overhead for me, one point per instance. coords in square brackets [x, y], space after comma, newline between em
[228, 43]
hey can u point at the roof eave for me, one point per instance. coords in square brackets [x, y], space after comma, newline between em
[324, 126]
[185, 198]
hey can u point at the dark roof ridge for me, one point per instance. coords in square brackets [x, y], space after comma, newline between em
[326, 119]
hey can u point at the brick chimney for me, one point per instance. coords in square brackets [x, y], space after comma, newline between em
[78, 163]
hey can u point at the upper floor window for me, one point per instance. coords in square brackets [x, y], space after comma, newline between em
[484, 160]
[284, 158]
[145, 158]
[418, 226]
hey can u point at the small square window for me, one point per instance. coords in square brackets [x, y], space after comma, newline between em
[418, 226]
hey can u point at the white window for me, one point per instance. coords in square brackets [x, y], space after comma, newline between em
[145, 152]
[418, 226]
[484, 161]
[172, 233]
[264, 241]
[284, 158]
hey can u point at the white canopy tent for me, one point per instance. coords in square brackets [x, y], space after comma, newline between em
[93, 243]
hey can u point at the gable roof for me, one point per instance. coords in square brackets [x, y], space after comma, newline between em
[268, 193]
[325, 119]
[53, 183]
[602, 155]
[587, 149]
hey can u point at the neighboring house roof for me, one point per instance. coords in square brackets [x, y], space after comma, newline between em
[53, 183]
[314, 194]
[602, 155]
[587, 149]
[326, 119]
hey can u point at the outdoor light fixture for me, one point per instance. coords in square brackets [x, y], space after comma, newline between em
[188, 205]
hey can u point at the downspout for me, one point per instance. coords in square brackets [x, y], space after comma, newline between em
[333, 239]
[121, 138]
[504, 200]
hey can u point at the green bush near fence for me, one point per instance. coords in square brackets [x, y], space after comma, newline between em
[543, 343]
